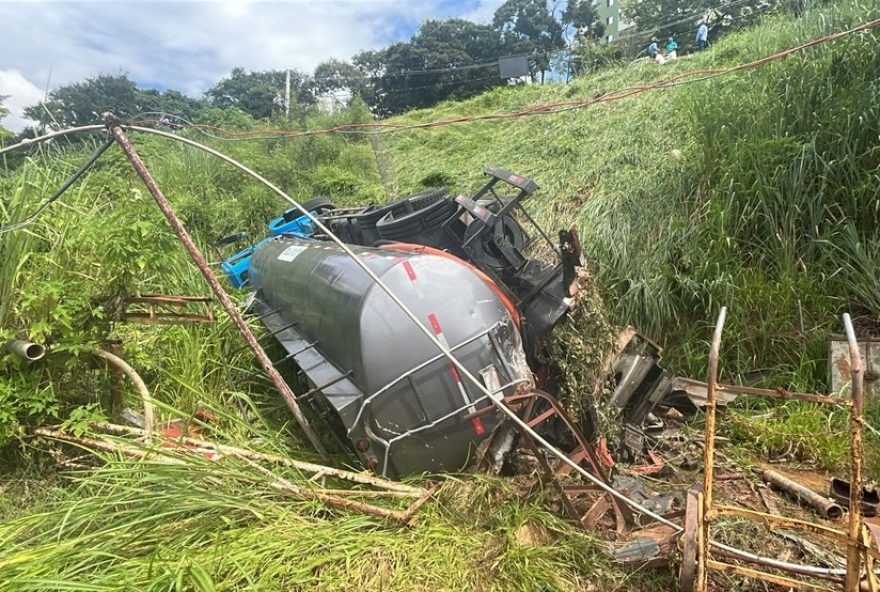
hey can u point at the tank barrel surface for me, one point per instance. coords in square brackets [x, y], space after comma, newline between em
[400, 406]
[361, 299]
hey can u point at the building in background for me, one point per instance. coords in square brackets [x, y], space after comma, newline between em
[608, 12]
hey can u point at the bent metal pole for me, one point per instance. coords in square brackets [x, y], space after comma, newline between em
[218, 290]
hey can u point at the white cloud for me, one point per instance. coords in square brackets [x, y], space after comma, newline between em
[21, 93]
[189, 45]
[483, 12]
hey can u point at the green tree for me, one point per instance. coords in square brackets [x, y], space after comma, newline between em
[666, 17]
[334, 75]
[582, 16]
[3, 113]
[448, 59]
[171, 102]
[528, 26]
[84, 103]
[260, 94]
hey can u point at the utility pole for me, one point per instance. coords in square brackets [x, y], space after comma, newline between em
[287, 95]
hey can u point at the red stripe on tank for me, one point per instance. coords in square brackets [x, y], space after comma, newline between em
[410, 272]
[435, 325]
[478, 426]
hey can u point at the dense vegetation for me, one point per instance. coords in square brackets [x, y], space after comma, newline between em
[204, 526]
[756, 190]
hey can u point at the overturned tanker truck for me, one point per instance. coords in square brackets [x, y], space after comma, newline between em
[462, 265]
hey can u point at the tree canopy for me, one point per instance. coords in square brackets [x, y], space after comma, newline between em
[83, 103]
[3, 113]
[334, 75]
[260, 94]
[529, 26]
[663, 17]
[582, 15]
[445, 59]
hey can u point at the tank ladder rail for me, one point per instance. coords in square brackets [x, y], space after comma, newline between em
[369, 400]
[313, 391]
[400, 436]
[292, 355]
[276, 332]
[272, 333]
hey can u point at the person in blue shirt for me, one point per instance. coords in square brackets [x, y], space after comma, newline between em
[654, 51]
[702, 36]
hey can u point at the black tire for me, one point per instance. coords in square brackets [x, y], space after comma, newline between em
[485, 252]
[422, 225]
[319, 204]
[425, 198]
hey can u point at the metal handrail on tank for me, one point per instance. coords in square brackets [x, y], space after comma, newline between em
[368, 401]
[388, 443]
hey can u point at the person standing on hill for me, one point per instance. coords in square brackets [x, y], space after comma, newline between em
[702, 36]
[671, 49]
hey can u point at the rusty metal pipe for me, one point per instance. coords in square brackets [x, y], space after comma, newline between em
[26, 350]
[709, 449]
[853, 555]
[224, 299]
[826, 507]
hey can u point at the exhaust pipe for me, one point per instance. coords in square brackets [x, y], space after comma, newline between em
[26, 350]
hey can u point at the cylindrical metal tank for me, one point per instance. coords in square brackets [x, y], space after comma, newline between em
[405, 408]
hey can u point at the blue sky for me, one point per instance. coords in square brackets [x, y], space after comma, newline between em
[189, 44]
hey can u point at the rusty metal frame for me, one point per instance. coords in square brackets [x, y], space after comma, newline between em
[160, 309]
[583, 453]
[697, 560]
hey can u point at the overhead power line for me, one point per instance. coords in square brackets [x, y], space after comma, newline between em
[380, 127]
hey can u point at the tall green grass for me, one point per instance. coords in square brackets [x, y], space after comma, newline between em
[756, 190]
[209, 525]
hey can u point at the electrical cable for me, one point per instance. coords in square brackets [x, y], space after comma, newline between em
[57, 193]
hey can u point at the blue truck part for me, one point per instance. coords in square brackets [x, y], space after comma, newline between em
[236, 266]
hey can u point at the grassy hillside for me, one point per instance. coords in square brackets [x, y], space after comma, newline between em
[757, 190]
[135, 525]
